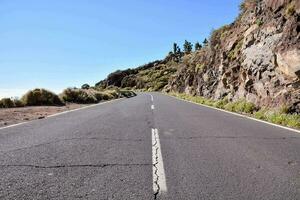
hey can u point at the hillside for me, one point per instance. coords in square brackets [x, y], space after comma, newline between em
[256, 58]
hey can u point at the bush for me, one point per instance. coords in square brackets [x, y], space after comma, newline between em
[6, 103]
[90, 96]
[241, 106]
[41, 97]
[221, 103]
[78, 96]
[290, 10]
[18, 103]
[85, 86]
[127, 93]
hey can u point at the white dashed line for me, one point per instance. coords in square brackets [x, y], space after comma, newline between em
[152, 107]
[151, 98]
[159, 178]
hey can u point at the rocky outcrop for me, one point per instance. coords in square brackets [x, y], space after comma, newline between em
[256, 58]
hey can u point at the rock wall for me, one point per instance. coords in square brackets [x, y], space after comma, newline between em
[257, 58]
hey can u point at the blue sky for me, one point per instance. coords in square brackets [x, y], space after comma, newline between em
[56, 44]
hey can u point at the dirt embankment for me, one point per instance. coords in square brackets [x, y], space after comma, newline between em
[9, 116]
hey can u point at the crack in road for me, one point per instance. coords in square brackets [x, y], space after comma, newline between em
[78, 166]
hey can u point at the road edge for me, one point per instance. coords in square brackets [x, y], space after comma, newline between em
[60, 113]
[237, 114]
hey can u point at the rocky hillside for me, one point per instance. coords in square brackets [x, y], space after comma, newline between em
[256, 58]
[153, 76]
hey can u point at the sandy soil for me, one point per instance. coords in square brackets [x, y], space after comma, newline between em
[9, 116]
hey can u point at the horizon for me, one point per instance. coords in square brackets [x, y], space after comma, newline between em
[55, 45]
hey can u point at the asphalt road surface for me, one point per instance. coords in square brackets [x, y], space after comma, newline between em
[149, 147]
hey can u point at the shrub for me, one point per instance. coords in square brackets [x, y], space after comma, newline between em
[127, 93]
[18, 103]
[40, 97]
[233, 54]
[6, 103]
[78, 96]
[85, 86]
[241, 106]
[261, 114]
[221, 103]
[259, 22]
[290, 10]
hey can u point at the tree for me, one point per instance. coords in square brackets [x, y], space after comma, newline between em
[188, 47]
[175, 48]
[198, 46]
[85, 86]
[205, 42]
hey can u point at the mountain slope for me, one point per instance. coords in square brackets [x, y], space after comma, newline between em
[256, 58]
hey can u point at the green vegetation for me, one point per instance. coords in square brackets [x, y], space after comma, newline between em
[259, 22]
[10, 103]
[280, 117]
[39, 97]
[188, 47]
[233, 54]
[198, 46]
[199, 68]
[75, 95]
[205, 42]
[6, 103]
[42, 97]
[176, 49]
[89, 96]
[290, 9]
[240, 106]
[85, 86]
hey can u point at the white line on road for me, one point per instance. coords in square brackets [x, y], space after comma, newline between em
[152, 107]
[60, 113]
[151, 98]
[159, 178]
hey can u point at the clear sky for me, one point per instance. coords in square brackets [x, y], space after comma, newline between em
[56, 44]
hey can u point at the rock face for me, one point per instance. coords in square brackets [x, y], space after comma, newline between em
[257, 58]
[289, 62]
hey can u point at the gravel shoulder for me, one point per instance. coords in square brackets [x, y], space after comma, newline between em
[9, 116]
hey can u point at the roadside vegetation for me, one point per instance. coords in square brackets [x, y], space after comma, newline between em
[84, 95]
[281, 116]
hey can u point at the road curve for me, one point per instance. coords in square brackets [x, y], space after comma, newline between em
[151, 146]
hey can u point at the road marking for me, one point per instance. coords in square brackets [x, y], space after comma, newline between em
[151, 98]
[152, 107]
[159, 178]
[60, 113]
[240, 115]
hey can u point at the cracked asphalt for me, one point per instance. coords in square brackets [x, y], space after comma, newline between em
[105, 152]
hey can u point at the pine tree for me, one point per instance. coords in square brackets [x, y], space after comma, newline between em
[175, 48]
[188, 47]
[205, 42]
[198, 46]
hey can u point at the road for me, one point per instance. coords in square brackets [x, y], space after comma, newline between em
[146, 147]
